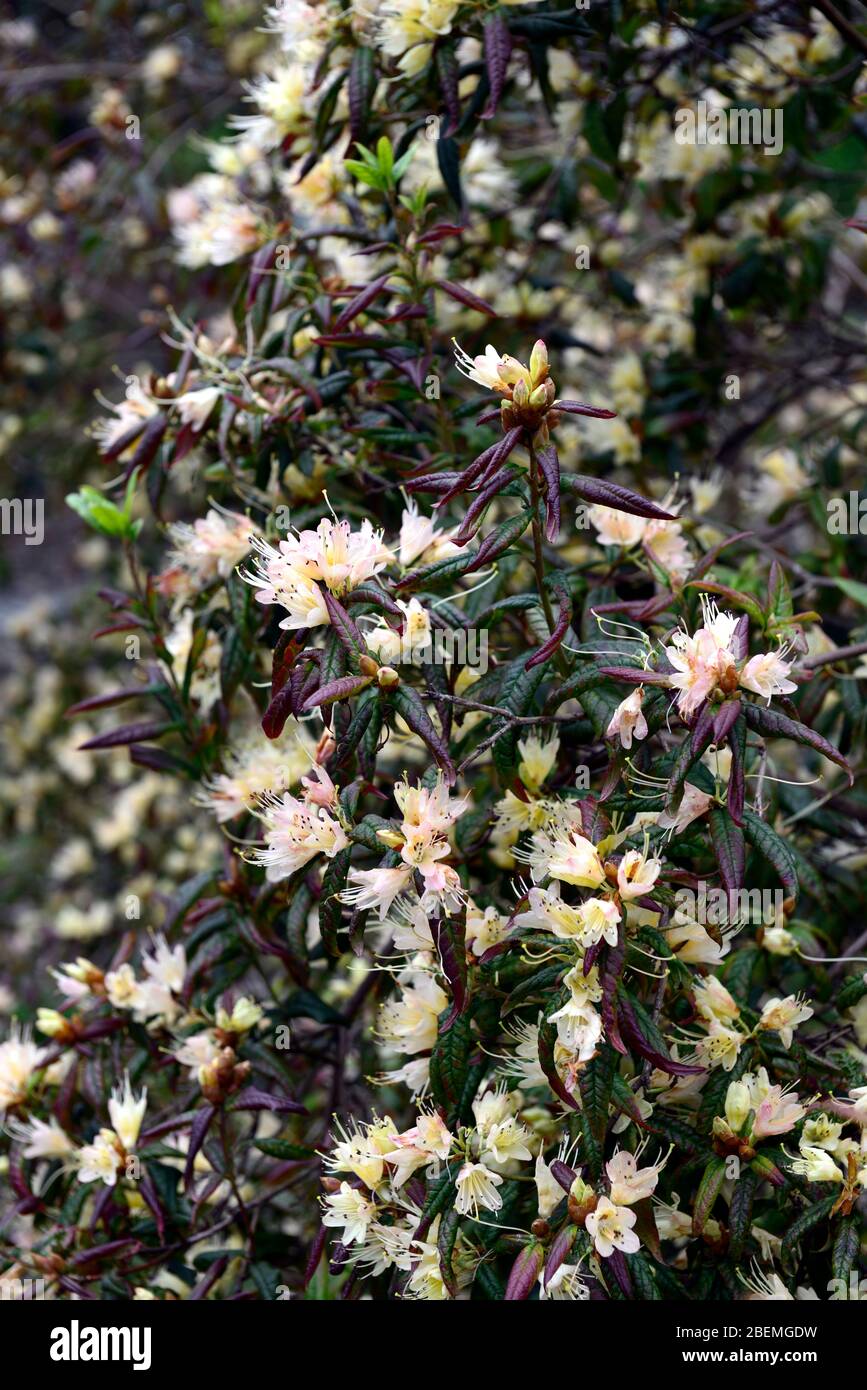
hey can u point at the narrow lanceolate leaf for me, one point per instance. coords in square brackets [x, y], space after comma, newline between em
[525, 1272]
[362, 83]
[487, 462]
[595, 413]
[561, 627]
[559, 1251]
[278, 711]
[345, 629]
[606, 494]
[549, 467]
[736, 794]
[340, 689]
[450, 1223]
[330, 912]
[447, 73]
[114, 697]
[844, 1253]
[687, 755]
[411, 709]
[741, 1212]
[596, 1081]
[610, 980]
[360, 302]
[449, 1064]
[449, 937]
[635, 675]
[728, 847]
[804, 1223]
[774, 849]
[708, 1191]
[772, 724]
[254, 1099]
[130, 733]
[465, 296]
[638, 1030]
[476, 510]
[499, 540]
[497, 48]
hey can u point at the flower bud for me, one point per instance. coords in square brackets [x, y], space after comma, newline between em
[538, 362]
[54, 1025]
[387, 677]
[737, 1105]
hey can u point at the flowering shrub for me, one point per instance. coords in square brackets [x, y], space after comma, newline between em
[478, 581]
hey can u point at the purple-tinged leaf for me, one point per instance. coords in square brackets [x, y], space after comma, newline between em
[635, 675]
[198, 1130]
[616, 1265]
[449, 938]
[772, 724]
[630, 1028]
[547, 1039]
[725, 719]
[499, 540]
[130, 733]
[486, 463]
[254, 1099]
[497, 44]
[261, 263]
[549, 466]
[559, 1251]
[473, 518]
[729, 850]
[611, 974]
[464, 296]
[347, 633]
[409, 706]
[562, 1173]
[341, 689]
[115, 697]
[561, 627]
[620, 499]
[361, 301]
[703, 730]
[577, 408]
[278, 711]
[447, 73]
[524, 1273]
[736, 793]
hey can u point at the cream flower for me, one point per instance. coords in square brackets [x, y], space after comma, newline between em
[101, 1160]
[126, 1112]
[766, 675]
[295, 833]
[628, 721]
[611, 1229]
[629, 1183]
[637, 873]
[476, 1186]
[350, 1211]
[783, 1016]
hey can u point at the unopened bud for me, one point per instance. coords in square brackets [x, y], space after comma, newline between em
[387, 677]
[538, 362]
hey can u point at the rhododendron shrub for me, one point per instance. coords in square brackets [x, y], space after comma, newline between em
[491, 620]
